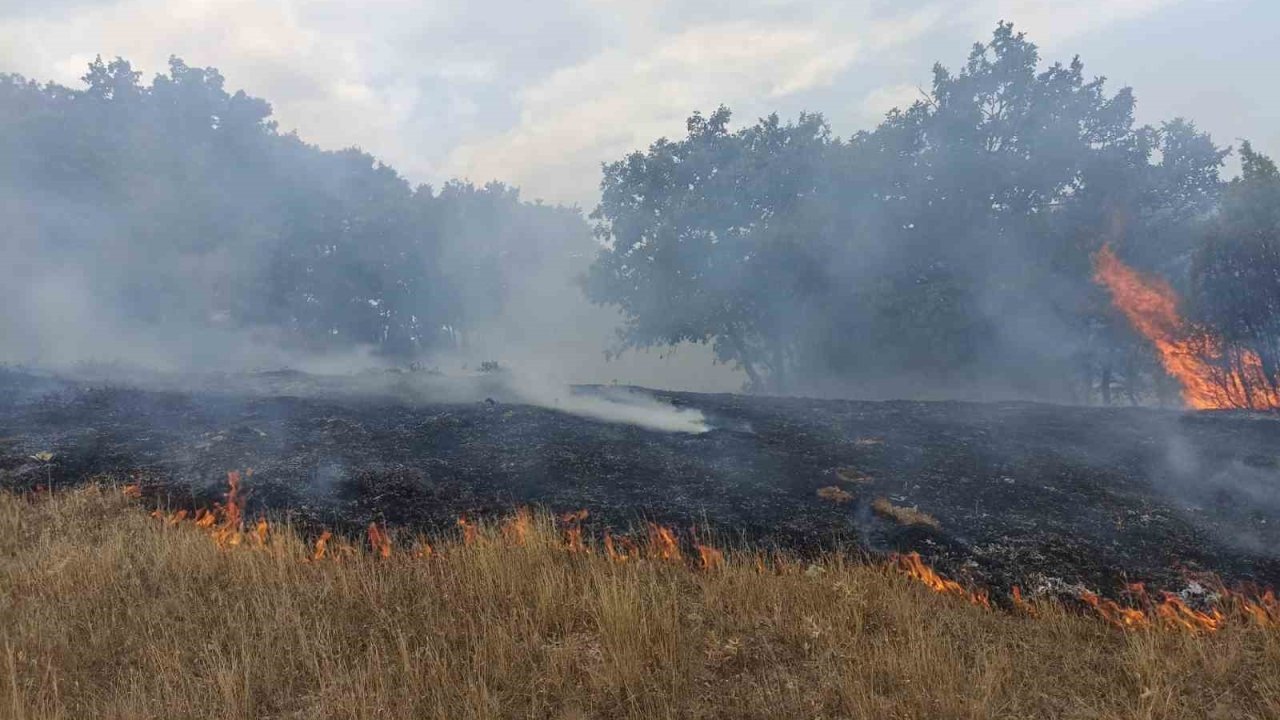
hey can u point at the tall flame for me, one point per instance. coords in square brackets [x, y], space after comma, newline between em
[1194, 359]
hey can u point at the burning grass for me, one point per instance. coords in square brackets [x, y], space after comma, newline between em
[110, 613]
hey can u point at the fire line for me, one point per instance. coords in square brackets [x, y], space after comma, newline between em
[1194, 358]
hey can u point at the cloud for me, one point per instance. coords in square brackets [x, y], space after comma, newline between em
[1051, 22]
[534, 93]
[623, 98]
[881, 100]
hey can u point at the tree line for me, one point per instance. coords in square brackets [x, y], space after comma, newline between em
[946, 251]
[181, 204]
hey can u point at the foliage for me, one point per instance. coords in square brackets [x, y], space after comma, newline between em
[1236, 272]
[948, 249]
[181, 205]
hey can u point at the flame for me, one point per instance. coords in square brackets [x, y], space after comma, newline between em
[132, 490]
[229, 530]
[621, 550]
[516, 529]
[225, 525]
[709, 558]
[260, 532]
[1171, 612]
[573, 540]
[469, 531]
[379, 541]
[1019, 603]
[1115, 613]
[574, 517]
[322, 545]
[1195, 359]
[914, 567]
[205, 519]
[423, 548]
[573, 531]
[663, 544]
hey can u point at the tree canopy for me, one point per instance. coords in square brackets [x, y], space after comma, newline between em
[180, 207]
[949, 248]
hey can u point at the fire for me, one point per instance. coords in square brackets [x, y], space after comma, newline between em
[516, 529]
[260, 532]
[1171, 611]
[322, 546]
[621, 550]
[1195, 359]
[1020, 604]
[469, 531]
[709, 558]
[379, 541]
[573, 540]
[663, 544]
[914, 567]
[573, 531]
[205, 519]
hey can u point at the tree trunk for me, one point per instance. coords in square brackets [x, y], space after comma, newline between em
[1106, 381]
[740, 348]
[780, 369]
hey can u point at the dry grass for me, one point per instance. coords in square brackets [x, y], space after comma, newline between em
[902, 515]
[107, 613]
[835, 495]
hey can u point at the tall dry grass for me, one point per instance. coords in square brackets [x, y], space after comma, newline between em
[107, 613]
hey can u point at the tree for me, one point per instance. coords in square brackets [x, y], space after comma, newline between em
[176, 212]
[1235, 276]
[947, 249]
[707, 240]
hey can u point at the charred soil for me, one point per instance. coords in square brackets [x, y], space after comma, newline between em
[1048, 497]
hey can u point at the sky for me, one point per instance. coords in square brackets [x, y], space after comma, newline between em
[539, 94]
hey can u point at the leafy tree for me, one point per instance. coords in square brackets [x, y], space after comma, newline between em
[1236, 271]
[178, 208]
[707, 240]
[948, 248]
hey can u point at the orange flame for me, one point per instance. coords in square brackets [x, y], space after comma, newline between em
[260, 532]
[423, 548]
[662, 543]
[516, 529]
[573, 540]
[469, 531]
[709, 558]
[914, 567]
[132, 490]
[379, 541]
[1171, 612]
[1194, 359]
[621, 550]
[573, 531]
[1020, 604]
[322, 545]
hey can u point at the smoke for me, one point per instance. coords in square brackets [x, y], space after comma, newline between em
[1205, 481]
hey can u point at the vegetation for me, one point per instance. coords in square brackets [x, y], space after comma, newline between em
[948, 248]
[178, 205]
[946, 251]
[110, 613]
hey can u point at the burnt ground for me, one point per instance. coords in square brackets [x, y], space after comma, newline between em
[1041, 495]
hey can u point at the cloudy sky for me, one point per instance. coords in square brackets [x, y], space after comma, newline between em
[539, 93]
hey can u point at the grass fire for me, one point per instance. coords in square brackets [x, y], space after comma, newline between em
[562, 360]
[515, 619]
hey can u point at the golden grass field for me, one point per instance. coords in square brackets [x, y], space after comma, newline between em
[106, 612]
